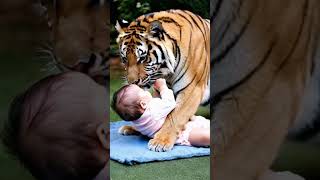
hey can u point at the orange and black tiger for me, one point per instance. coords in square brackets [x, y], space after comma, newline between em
[174, 45]
[266, 81]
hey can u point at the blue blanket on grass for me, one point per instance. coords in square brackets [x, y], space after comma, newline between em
[134, 149]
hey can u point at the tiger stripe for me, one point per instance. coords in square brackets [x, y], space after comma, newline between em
[177, 46]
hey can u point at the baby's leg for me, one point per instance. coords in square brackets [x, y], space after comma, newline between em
[196, 132]
[128, 130]
[199, 137]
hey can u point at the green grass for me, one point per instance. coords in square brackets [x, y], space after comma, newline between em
[184, 169]
[115, 84]
[192, 168]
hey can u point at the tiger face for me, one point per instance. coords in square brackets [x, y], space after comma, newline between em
[143, 54]
[80, 35]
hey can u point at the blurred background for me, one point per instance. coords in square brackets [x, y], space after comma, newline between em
[22, 32]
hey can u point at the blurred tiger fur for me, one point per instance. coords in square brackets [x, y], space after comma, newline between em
[266, 80]
[80, 31]
[174, 45]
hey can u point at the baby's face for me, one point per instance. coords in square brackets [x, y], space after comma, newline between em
[140, 93]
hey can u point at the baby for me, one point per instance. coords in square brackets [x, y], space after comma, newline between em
[148, 114]
[57, 128]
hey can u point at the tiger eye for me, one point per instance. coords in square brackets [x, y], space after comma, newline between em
[142, 59]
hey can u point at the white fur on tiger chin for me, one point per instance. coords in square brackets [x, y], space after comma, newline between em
[206, 95]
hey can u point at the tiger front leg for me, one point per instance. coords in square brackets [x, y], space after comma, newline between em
[187, 105]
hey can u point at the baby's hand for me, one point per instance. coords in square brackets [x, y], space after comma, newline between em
[156, 93]
[160, 84]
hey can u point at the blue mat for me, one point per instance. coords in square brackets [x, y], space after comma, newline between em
[134, 149]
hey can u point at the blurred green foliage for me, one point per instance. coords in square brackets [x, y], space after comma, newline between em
[129, 10]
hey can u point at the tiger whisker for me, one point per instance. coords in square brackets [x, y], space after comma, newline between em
[44, 53]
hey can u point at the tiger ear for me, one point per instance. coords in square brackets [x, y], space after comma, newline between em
[121, 26]
[155, 29]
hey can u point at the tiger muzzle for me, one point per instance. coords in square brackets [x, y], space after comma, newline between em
[96, 67]
[136, 74]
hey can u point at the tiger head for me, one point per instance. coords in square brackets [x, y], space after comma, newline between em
[80, 35]
[144, 52]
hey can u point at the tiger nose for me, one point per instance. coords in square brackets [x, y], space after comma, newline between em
[133, 80]
[132, 75]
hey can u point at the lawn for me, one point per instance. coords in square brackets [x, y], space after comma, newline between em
[192, 168]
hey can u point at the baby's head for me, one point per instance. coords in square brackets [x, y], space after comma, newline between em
[52, 128]
[130, 102]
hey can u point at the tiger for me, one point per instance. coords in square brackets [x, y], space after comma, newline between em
[265, 83]
[173, 45]
[79, 32]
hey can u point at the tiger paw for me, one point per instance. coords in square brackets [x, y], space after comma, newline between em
[161, 144]
[127, 130]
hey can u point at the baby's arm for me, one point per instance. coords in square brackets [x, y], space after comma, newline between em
[128, 130]
[166, 94]
[156, 94]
